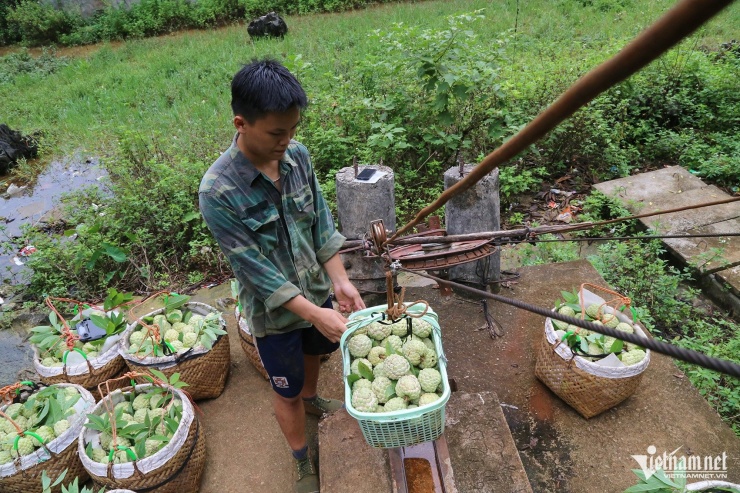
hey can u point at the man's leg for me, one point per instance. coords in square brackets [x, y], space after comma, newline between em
[291, 418]
[311, 365]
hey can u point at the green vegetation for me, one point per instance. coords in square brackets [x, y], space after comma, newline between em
[38, 23]
[447, 82]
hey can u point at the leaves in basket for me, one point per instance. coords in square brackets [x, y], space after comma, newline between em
[365, 372]
[570, 297]
[352, 378]
[174, 301]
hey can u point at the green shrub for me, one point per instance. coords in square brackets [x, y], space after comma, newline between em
[39, 23]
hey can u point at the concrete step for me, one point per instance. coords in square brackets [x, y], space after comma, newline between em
[482, 454]
[716, 260]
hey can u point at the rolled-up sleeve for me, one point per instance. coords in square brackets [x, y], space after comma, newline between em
[249, 265]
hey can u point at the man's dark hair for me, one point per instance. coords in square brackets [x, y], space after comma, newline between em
[265, 86]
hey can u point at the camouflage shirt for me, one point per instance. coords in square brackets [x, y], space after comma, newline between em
[276, 241]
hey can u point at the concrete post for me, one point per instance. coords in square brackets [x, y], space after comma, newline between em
[358, 203]
[477, 209]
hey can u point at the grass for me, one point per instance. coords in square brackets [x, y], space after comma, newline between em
[176, 87]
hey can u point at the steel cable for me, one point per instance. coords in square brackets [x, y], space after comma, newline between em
[687, 355]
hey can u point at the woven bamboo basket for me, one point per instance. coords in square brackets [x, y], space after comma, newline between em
[176, 468]
[247, 342]
[24, 475]
[205, 371]
[588, 387]
[94, 371]
[250, 350]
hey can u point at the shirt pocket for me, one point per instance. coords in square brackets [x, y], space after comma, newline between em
[262, 219]
[305, 213]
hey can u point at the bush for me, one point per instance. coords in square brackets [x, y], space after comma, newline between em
[39, 24]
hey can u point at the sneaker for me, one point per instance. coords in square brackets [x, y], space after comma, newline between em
[308, 480]
[318, 406]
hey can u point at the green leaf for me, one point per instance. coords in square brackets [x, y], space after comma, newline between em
[570, 297]
[161, 376]
[190, 216]
[390, 391]
[115, 253]
[661, 476]
[140, 448]
[101, 322]
[389, 349]
[584, 345]
[616, 346]
[175, 301]
[365, 372]
[352, 378]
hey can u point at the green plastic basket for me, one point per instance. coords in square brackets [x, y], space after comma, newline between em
[409, 426]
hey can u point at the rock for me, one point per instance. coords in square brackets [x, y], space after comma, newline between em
[271, 25]
[13, 146]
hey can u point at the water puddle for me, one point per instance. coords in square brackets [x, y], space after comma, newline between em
[34, 205]
[16, 356]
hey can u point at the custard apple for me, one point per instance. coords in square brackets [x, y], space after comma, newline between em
[362, 383]
[355, 365]
[5, 457]
[171, 335]
[156, 413]
[610, 320]
[400, 328]
[98, 454]
[379, 370]
[155, 401]
[383, 388]
[49, 361]
[364, 400]
[89, 347]
[162, 323]
[394, 341]
[625, 327]
[189, 339]
[359, 346]
[92, 355]
[140, 415]
[174, 316]
[394, 404]
[413, 350]
[376, 355]
[429, 379]
[408, 387]
[608, 341]
[121, 457]
[428, 343]
[8, 441]
[421, 328]
[105, 440]
[633, 357]
[13, 410]
[427, 398]
[195, 320]
[395, 366]
[378, 331]
[152, 446]
[179, 326]
[593, 310]
[428, 358]
[25, 447]
[71, 391]
[46, 433]
[122, 407]
[141, 401]
[128, 418]
[61, 426]
[567, 311]
[177, 346]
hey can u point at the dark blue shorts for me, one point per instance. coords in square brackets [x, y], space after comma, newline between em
[282, 355]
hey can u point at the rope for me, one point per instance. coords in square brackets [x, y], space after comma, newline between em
[676, 24]
[687, 355]
[396, 306]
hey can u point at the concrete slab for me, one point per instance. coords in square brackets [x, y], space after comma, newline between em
[710, 254]
[560, 450]
[674, 187]
[731, 278]
[645, 187]
[482, 451]
[348, 462]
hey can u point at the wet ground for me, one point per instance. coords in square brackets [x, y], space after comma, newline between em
[35, 204]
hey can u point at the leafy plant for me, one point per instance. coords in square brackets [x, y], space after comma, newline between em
[74, 487]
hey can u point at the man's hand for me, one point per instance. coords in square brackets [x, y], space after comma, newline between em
[348, 297]
[330, 323]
